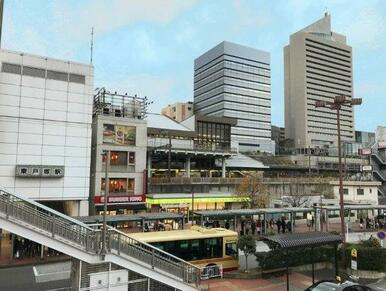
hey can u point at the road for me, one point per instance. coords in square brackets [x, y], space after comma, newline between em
[22, 279]
[379, 286]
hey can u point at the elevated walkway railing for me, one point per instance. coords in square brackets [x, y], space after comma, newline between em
[375, 153]
[61, 227]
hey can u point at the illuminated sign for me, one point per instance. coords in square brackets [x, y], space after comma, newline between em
[120, 199]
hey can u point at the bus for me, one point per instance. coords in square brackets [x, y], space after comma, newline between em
[212, 249]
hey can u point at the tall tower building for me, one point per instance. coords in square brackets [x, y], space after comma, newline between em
[232, 80]
[317, 66]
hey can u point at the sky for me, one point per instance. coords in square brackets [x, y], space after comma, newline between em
[147, 47]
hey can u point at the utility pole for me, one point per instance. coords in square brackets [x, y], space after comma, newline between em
[169, 158]
[1, 18]
[337, 104]
[309, 160]
[104, 227]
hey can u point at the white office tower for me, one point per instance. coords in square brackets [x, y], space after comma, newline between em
[317, 66]
[45, 130]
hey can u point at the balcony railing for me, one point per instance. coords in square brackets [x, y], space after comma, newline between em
[187, 145]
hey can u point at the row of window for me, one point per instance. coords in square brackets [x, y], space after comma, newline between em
[42, 73]
[119, 186]
[359, 191]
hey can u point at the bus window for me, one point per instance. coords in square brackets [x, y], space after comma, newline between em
[212, 248]
[231, 249]
[183, 249]
[195, 249]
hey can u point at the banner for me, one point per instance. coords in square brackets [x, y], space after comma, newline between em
[118, 134]
[365, 152]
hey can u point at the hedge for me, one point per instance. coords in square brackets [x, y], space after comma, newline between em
[369, 258]
[277, 258]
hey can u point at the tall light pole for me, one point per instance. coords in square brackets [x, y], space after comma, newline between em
[337, 104]
[106, 155]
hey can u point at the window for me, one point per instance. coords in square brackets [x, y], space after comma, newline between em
[35, 171]
[130, 185]
[23, 171]
[189, 108]
[46, 172]
[11, 68]
[58, 172]
[231, 249]
[371, 190]
[360, 191]
[345, 191]
[131, 158]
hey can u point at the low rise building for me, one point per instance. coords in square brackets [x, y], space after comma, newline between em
[120, 132]
[178, 111]
[358, 192]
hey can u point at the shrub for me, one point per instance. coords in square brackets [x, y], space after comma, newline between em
[369, 258]
[277, 258]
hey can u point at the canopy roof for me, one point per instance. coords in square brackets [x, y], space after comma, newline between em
[243, 212]
[131, 217]
[306, 239]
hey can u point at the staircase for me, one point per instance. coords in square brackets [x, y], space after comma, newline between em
[375, 154]
[48, 227]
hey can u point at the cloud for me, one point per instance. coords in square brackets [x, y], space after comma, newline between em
[366, 28]
[106, 16]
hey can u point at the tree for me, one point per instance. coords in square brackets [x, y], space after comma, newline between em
[247, 244]
[253, 188]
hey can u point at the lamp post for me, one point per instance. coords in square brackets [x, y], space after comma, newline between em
[337, 104]
[106, 155]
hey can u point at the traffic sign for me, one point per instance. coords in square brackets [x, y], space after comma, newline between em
[354, 253]
[354, 265]
[381, 235]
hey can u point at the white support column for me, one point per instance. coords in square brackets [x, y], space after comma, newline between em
[223, 172]
[149, 165]
[187, 167]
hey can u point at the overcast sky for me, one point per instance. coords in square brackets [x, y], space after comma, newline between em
[147, 47]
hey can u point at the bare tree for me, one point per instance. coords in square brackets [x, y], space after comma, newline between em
[253, 188]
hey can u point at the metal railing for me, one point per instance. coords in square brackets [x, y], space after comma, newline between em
[379, 172]
[375, 153]
[193, 180]
[31, 214]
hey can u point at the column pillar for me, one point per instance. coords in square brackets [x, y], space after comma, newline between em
[187, 167]
[149, 165]
[223, 171]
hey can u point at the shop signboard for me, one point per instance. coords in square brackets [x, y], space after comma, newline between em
[382, 144]
[365, 152]
[118, 134]
[367, 168]
[120, 199]
[354, 259]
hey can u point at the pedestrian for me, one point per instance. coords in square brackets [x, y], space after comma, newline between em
[253, 227]
[278, 224]
[258, 225]
[283, 223]
[289, 226]
[227, 224]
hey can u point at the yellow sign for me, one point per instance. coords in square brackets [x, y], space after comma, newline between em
[354, 253]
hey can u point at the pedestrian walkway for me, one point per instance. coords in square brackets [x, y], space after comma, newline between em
[298, 282]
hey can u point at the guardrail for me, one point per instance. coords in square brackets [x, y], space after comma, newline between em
[54, 224]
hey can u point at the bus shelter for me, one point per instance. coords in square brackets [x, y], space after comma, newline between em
[327, 211]
[142, 218]
[292, 241]
[265, 214]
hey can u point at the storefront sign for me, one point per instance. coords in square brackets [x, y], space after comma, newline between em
[367, 168]
[365, 152]
[118, 134]
[382, 144]
[121, 199]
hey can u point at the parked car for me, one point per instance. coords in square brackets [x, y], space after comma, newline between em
[333, 286]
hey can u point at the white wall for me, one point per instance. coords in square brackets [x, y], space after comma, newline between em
[45, 122]
[370, 193]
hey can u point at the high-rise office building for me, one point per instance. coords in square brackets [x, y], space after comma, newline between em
[317, 66]
[232, 80]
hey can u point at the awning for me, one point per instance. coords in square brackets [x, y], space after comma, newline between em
[306, 239]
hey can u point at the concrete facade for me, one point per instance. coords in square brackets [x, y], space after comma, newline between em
[232, 80]
[358, 191]
[178, 111]
[127, 164]
[45, 129]
[317, 66]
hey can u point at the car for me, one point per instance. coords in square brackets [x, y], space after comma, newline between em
[326, 285]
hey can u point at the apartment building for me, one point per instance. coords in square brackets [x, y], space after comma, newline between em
[178, 111]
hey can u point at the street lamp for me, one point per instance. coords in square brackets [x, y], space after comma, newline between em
[337, 104]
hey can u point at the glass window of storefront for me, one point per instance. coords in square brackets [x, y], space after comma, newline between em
[119, 186]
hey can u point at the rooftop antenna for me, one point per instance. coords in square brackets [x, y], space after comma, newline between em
[91, 44]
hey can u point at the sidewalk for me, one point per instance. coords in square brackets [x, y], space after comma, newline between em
[298, 282]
